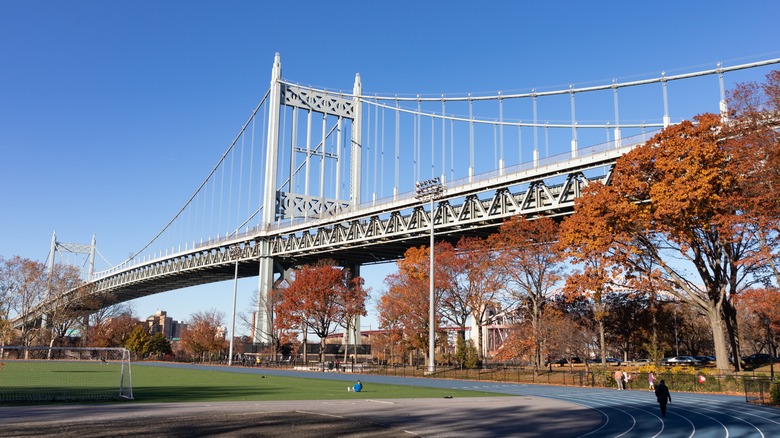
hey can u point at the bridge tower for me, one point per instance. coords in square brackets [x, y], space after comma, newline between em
[73, 248]
[283, 199]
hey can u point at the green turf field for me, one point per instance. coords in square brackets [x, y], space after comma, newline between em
[165, 385]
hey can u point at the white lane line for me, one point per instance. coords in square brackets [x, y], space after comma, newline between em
[603, 415]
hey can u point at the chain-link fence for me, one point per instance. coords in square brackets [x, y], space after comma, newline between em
[757, 389]
[761, 390]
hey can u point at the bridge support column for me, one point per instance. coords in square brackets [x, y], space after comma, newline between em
[263, 330]
[269, 194]
[354, 336]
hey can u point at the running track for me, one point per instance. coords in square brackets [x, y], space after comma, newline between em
[632, 413]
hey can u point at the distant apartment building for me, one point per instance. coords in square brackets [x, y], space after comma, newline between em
[162, 323]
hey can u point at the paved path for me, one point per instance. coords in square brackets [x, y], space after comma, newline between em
[538, 411]
[470, 416]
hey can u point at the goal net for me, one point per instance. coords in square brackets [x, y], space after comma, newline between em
[34, 374]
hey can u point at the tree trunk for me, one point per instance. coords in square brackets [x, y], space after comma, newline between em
[602, 342]
[479, 341]
[51, 344]
[732, 329]
[719, 339]
[305, 346]
[535, 317]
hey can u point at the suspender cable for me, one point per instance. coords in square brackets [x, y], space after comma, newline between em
[573, 124]
[337, 147]
[367, 143]
[322, 155]
[382, 163]
[397, 149]
[617, 115]
[471, 139]
[293, 145]
[204, 214]
[452, 150]
[197, 219]
[230, 193]
[187, 229]
[501, 133]
[307, 161]
[376, 148]
[417, 144]
[213, 200]
[536, 126]
[495, 147]
[433, 148]
[221, 194]
[443, 140]
[519, 144]
[251, 167]
[240, 183]
[263, 157]
[546, 141]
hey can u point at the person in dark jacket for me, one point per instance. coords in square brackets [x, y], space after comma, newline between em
[663, 396]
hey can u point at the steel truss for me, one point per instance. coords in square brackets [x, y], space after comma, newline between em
[371, 234]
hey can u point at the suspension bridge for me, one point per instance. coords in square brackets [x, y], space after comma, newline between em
[317, 173]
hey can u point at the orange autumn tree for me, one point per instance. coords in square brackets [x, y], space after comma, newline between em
[563, 336]
[204, 337]
[672, 202]
[531, 265]
[454, 305]
[762, 305]
[403, 308]
[480, 280]
[594, 283]
[754, 117]
[24, 285]
[62, 305]
[315, 298]
[112, 331]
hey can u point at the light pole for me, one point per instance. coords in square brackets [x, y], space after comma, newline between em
[676, 344]
[235, 253]
[430, 190]
[768, 323]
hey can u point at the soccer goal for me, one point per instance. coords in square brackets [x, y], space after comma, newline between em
[34, 374]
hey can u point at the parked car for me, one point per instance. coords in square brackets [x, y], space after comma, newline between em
[759, 359]
[680, 360]
[705, 360]
[563, 361]
[610, 361]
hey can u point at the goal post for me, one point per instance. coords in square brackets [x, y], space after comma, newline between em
[46, 374]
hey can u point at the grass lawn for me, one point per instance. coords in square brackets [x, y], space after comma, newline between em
[153, 384]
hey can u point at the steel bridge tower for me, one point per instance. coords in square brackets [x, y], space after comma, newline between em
[279, 204]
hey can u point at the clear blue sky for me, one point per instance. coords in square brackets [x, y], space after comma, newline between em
[111, 113]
